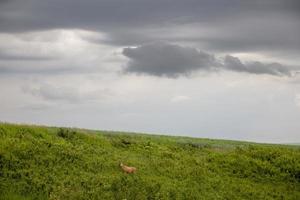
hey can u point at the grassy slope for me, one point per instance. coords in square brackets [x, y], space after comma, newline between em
[52, 163]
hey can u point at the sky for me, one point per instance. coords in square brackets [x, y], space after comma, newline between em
[227, 69]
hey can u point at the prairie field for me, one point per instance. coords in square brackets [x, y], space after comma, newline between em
[38, 162]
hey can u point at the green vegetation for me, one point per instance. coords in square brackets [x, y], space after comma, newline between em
[58, 163]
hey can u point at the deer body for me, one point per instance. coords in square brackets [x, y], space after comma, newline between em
[128, 169]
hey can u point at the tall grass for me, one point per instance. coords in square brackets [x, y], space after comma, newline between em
[60, 163]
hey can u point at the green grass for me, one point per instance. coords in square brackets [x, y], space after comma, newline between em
[59, 163]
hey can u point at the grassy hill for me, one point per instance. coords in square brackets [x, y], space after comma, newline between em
[59, 163]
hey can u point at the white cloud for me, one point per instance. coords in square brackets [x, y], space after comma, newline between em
[254, 109]
[76, 93]
[56, 51]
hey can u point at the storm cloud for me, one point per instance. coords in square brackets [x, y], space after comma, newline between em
[220, 25]
[171, 60]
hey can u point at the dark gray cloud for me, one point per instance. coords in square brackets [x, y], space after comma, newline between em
[171, 60]
[256, 67]
[36, 14]
[236, 25]
[22, 15]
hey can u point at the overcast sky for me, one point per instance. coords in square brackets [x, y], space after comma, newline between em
[227, 69]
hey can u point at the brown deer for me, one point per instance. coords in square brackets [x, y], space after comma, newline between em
[127, 169]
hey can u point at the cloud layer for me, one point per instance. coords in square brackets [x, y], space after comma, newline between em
[220, 25]
[171, 60]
